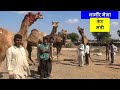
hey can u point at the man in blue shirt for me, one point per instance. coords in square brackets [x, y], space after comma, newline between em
[44, 50]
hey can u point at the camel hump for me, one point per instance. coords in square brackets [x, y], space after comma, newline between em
[34, 30]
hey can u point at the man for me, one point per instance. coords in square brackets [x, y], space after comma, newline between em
[107, 51]
[81, 54]
[44, 51]
[113, 49]
[87, 54]
[16, 57]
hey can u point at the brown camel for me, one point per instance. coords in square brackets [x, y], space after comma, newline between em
[59, 42]
[34, 39]
[83, 37]
[54, 30]
[6, 37]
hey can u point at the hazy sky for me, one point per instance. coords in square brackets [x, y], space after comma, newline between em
[69, 20]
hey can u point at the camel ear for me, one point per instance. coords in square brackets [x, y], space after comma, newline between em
[78, 27]
[52, 22]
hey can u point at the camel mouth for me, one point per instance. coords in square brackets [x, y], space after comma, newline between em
[40, 16]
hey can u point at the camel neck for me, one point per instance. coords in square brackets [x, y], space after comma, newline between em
[54, 30]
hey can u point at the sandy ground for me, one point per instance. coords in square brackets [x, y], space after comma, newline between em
[68, 67]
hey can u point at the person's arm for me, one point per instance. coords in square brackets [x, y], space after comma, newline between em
[41, 50]
[115, 48]
[81, 47]
[48, 50]
[8, 61]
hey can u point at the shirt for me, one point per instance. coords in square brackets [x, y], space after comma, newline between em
[16, 58]
[82, 49]
[87, 49]
[113, 48]
[44, 47]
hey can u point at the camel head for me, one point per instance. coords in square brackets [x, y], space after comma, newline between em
[39, 16]
[64, 32]
[31, 17]
[81, 30]
[55, 24]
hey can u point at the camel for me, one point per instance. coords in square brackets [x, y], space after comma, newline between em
[54, 30]
[6, 37]
[34, 39]
[83, 37]
[59, 42]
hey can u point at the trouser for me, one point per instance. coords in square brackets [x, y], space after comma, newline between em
[112, 57]
[43, 68]
[49, 67]
[86, 58]
[107, 55]
[39, 66]
[81, 58]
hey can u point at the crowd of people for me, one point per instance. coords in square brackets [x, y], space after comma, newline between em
[18, 67]
[84, 53]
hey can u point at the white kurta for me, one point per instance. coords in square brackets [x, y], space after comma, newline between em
[81, 54]
[17, 64]
[87, 49]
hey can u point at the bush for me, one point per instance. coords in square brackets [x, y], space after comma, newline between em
[69, 45]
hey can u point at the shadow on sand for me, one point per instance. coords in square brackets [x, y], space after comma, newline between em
[115, 64]
[100, 61]
[1, 74]
[114, 67]
[69, 64]
[34, 74]
[100, 64]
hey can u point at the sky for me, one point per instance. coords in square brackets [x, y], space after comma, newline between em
[68, 20]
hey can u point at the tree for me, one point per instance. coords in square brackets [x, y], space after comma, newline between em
[118, 32]
[102, 36]
[115, 40]
[73, 36]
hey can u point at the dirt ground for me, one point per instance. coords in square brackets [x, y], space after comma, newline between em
[68, 67]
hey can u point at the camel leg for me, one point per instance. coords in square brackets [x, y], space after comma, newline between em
[29, 55]
[57, 55]
[31, 58]
[107, 56]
